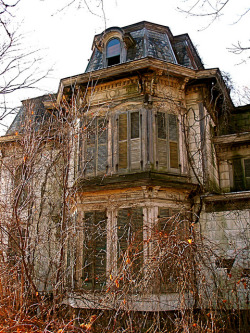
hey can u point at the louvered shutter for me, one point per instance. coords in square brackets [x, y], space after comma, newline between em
[161, 140]
[90, 149]
[123, 141]
[247, 173]
[173, 141]
[130, 238]
[102, 157]
[94, 250]
[97, 147]
[168, 225]
[80, 148]
[70, 263]
[135, 142]
[100, 249]
[238, 175]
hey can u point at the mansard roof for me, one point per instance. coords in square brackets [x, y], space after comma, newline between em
[39, 108]
[145, 39]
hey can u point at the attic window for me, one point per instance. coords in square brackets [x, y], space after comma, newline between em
[113, 52]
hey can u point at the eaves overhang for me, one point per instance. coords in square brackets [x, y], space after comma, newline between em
[230, 139]
[226, 201]
[9, 138]
[127, 68]
[226, 196]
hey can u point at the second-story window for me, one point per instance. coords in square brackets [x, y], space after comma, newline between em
[96, 154]
[113, 52]
[167, 141]
[129, 140]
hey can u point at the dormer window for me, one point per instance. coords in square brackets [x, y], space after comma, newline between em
[113, 54]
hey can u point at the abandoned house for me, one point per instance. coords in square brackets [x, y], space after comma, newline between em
[131, 185]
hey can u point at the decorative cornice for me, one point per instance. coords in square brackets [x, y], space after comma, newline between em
[134, 66]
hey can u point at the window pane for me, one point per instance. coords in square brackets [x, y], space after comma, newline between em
[113, 48]
[161, 125]
[135, 125]
[247, 167]
[173, 133]
[91, 130]
[102, 131]
[238, 175]
[90, 160]
[247, 173]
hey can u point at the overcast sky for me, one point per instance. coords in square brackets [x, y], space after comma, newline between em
[64, 36]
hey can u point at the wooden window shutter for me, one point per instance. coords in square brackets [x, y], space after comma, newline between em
[94, 250]
[97, 146]
[100, 248]
[70, 262]
[80, 148]
[102, 155]
[238, 175]
[123, 141]
[168, 270]
[161, 140]
[135, 141]
[173, 141]
[130, 239]
[90, 148]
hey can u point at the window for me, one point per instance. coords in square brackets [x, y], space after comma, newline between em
[169, 233]
[113, 52]
[96, 156]
[129, 140]
[167, 141]
[130, 240]
[94, 250]
[241, 174]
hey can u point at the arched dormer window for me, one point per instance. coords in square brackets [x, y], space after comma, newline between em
[113, 52]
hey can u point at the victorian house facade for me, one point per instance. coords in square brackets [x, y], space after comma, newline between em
[159, 170]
